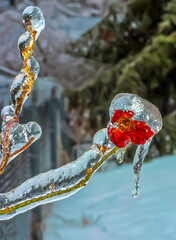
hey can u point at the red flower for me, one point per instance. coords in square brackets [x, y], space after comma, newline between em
[123, 129]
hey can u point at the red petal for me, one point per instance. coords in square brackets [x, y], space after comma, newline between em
[118, 138]
[117, 114]
[141, 134]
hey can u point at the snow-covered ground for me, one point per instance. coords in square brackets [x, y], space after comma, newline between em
[105, 209]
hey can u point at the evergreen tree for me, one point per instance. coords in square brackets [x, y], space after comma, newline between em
[138, 55]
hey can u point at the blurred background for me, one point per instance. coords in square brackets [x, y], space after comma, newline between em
[89, 51]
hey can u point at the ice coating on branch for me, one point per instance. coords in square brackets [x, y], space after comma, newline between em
[63, 182]
[53, 185]
[101, 138]
[133, 119]
[59, 183]
[33, 19]
[21, 87]
[22, 84]
[7, 113]
[16, 137]
[22, 136]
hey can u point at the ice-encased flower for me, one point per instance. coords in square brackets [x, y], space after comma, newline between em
[123, 129]
[132, 119]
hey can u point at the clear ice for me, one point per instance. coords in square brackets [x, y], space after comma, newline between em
[59, 183]
[16, 137]
[132, 120]
[21, 87]
[67, 180]
[143, 112]
[120, 155]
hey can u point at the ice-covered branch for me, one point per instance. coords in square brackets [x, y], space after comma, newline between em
[59, 183]
[132, 120]
[16, 137]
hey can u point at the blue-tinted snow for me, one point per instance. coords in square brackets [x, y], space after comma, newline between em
[105, 209]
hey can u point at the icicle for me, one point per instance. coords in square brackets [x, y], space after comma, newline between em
[139, 157]
[120, 155]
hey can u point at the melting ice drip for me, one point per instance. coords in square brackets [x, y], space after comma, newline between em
[16, 137]
[130, 117]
